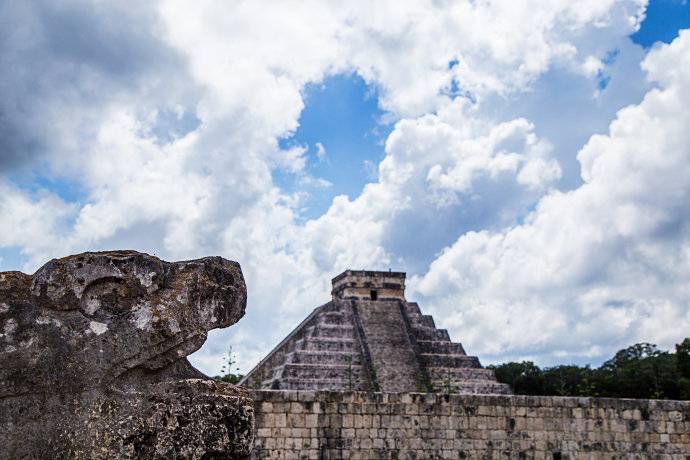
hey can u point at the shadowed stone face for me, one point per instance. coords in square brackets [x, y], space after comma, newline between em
[117, 326]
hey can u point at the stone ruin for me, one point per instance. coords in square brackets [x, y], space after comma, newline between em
[369, 338]
[368, 376]
[93, 365]
[93, 359]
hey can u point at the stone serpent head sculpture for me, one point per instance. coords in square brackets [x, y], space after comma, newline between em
[93, 361]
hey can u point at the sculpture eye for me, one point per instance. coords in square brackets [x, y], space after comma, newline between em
[109, 294]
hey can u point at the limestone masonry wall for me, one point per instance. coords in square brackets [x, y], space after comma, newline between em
[334, 425]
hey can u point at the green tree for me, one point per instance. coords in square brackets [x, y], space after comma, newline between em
[631, 354]
[683, 358]
[569, 380]
[683, 366]
[524, 377]
[639, 371]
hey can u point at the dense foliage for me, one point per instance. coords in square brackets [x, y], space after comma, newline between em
[639, 371]
[230, 378]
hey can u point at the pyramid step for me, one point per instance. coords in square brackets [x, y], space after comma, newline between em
[334, 318]
[423, 320]
[331, 331]
[430, 333]
[460, 373]
[412, 309]
[325, 357]
[322, 372]
[326, 344]
[471, 387]
[327, 384]
[444, 360]
[441, 347]
[268, 384]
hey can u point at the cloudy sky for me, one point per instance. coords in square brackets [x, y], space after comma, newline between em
[527, 162]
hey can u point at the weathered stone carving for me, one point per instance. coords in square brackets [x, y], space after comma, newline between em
[93, 359]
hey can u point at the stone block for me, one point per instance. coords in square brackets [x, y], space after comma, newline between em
[296, 408]
[281, 407]
[295, 420]
[311, 420]
[675, 416]
[263, 433]
[280, 420]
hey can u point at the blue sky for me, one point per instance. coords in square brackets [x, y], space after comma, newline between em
[343, 116]
[549, 203]
[664, 19]
[342, 113]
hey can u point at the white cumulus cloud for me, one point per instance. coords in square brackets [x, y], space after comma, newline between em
[595, 268]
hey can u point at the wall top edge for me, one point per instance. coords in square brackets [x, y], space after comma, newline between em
[486, 399]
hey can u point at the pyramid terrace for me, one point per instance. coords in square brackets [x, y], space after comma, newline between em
[370, 338]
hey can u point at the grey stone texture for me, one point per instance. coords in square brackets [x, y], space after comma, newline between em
[93, 359]
[369, 338]
[368, 425]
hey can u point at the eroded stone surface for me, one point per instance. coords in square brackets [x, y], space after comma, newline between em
[345, 424]
[93, 359]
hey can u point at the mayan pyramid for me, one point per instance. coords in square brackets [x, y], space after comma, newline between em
[369, 338]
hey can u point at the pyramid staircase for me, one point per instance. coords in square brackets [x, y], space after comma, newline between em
[355, 343]
[323, 353]
[446, 364]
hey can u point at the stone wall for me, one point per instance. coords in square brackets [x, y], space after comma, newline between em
[333, 425]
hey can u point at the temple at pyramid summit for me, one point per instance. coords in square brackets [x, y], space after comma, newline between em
[370, 338]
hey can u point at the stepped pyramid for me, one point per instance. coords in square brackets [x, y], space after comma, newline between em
[369, 338]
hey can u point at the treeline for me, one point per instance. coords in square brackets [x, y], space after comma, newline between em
[639, 371]
[230, 378]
